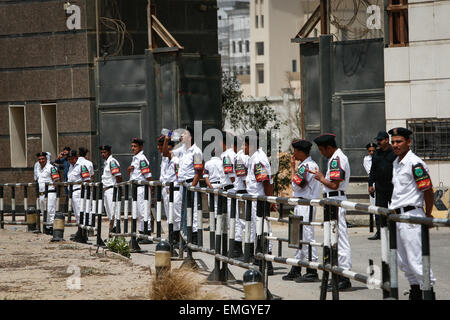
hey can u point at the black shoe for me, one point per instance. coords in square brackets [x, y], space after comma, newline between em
[294, 273]
[376, 236]
[195, 238]
[310, 276]
[344, 283]
[49, 231]
[415, 293]
[237, 250]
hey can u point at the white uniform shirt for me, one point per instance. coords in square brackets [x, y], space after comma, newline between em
[111, 170]
[88, 165]
[169, 170]
[48, 174]
[367, 163]
[228, 158]
[78, 173]
[178, 152]
[339, 170]
[214, 170]
[309, 187]
[36, 168]
[240, 170]
[141, 166]
[406, 191]
[258, 172]
[191, 160]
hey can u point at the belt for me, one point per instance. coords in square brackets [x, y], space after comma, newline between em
[241, 191]
[405, 209]
[43, 193]
[189, 180]
[333, 194]
[228, 187]
[215, 182]
[176, 188]
[106, 188]
[73, 190]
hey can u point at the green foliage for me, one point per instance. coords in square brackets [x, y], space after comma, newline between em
[246, 115]
[283, 178]
[119, 245]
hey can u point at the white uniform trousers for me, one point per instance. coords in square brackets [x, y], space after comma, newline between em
[308, 233]
[76, 204]
[409, 249]
[267, 227]
[344, 250]
[177, 199]
[240, 223]
[109, 204]
[51, 205]
[140, 208]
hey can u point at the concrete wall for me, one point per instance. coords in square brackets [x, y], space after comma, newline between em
[417, 78]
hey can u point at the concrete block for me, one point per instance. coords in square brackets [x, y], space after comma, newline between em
[390, 124]
[5, 151]
[396, 64]
[398, 103]
[33, 118]
[444, 174]
[423, 99]
[421, 22]
[434, 167]
[443, 98]
[34, 145]
[74, 116]
[4, 120]
[422, 62]
[441, 19]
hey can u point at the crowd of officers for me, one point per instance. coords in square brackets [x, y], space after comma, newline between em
[398, 180]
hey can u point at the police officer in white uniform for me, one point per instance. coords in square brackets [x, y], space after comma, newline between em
[169, 173]
[304, 186]
[82, 155]
[367, 163]
[412, 189]
[46, 173]
[240, 170]
[334, 187]
[190, 171]
[78, 172]
[259, 182]
[213, 175]
[139, 170]
[110, 177]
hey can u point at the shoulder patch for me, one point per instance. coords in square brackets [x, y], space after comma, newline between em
[336, 172]
[84, 172]
[241, 169]
[114, 168]
[227, 165]
[54, 173]
[261, 173]
[422, 177]
[300, 177]
[198, 163]
[143, 165]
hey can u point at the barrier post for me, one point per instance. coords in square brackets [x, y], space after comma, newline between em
[80, 235]
[259, 235]
[70, 205]
[86, 210]
[199, 220]
[215, 274]
[158, 210]
[133, 243]
[172, 239]
[334, 225]
[25, 200]
[189, 261]
[212, 224]
[116, 215]
[384, 254]
[100, 242]
[146, 209]
[38, 208]
[248, 244]
[58, 197]
[326, 251]
[232, 227]
[44, 217]
[125, 208]
[31, 219]
[311, 211]
[94, 208]
[151, 211]
[113, 209]
[370, 222]
[393, 258]
[13, 202]
[2, 218]
[426, 265]
[225, 273]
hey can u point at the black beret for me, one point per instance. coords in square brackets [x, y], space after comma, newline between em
[137, 141]
[105, 147]
[371, 145]
[400, 132]
[325, 139]
[41, 154]
[302, 145]
[82, 151]
[382, 135]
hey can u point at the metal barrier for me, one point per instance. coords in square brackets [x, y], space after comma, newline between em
[220, 239]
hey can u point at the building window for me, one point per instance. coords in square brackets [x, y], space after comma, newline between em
[240, 46]
[262, 21]
[18, 136]
[260, 48]
[260, 72]
[398, 23]
[294, 65]
[247, 46]
[234, 47]
[49, 128]
[234, 69]
[248, 69]
[241, 70]
[430, 138]
[256, 21]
